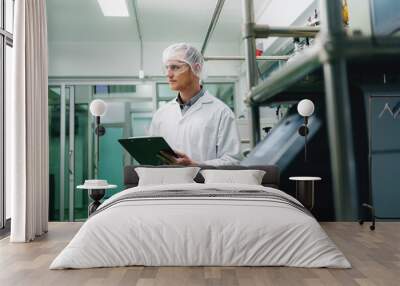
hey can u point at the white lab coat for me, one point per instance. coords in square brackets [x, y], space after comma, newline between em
[207, 132]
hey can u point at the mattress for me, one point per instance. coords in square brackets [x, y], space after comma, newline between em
[201, 225]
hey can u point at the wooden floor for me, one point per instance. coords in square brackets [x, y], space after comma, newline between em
[375, 257]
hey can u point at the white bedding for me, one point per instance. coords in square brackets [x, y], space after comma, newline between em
[200, 231]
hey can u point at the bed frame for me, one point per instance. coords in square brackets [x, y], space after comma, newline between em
[270, 179]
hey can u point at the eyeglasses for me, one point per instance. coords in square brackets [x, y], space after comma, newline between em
[175, 68]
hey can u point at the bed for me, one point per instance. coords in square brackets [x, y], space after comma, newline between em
[198, 224]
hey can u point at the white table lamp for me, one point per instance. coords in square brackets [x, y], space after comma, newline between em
[305, 108]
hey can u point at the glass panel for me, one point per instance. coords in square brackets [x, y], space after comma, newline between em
[144, 91]
[223, 91]
[114, 90]
[82, 135]
[68, 94]
[142, 106]
[129, 113]
[58, 205]
[2, 110]
[140, 127]
[8, 82]
[54, 152]
[111, 159]
[140, 124]
[81, 158]
[164, 92]
[9, 15]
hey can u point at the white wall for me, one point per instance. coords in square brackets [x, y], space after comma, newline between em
[282, 13]
[122, 59]
[360, 16]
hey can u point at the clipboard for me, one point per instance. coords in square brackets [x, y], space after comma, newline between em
[146, 149]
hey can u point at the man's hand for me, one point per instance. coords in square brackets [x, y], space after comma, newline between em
[182, 159]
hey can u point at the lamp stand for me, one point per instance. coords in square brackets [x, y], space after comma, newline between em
[96, 173]
[99, 131]
[305, 138]
[305, 148]
[303, 131]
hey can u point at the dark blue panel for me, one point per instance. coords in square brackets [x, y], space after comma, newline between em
[385, 124]
[385, 154]
[385, 184]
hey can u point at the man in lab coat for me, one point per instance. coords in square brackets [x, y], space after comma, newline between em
[199, 127]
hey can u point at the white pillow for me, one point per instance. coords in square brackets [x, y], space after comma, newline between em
[164, 176]
[248, 177]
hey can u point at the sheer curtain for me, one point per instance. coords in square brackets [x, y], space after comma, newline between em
[27, 119]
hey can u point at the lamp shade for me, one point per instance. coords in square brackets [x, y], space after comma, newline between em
[98, 107]
[305, 107]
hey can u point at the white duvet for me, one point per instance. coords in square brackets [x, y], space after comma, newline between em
[200, 231]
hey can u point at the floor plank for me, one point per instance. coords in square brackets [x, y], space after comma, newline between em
[374, 255]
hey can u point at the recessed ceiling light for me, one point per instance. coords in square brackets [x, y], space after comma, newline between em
[114, 8]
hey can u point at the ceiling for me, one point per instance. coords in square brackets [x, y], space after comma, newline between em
[160, 20]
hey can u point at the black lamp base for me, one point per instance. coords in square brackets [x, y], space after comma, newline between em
[96, 195]
[303, 130]
[100, 130]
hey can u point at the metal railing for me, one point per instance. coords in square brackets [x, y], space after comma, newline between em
[239, 58]
[139, 31]
[330, 50]
[213, 23]
[337, 95]
[265, 31]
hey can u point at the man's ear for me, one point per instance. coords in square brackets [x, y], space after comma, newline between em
[196, 68]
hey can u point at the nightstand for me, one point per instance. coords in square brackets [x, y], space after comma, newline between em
[305, 190]
[96, 190]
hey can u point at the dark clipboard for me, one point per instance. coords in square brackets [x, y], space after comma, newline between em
[146, 150]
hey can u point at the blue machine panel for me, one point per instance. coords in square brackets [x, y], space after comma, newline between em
[385, 154]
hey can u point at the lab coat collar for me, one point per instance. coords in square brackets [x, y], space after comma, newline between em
[205, 99]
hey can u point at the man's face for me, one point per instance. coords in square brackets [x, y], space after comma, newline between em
[179, 74]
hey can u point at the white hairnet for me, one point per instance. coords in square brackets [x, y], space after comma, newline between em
[185, 53]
